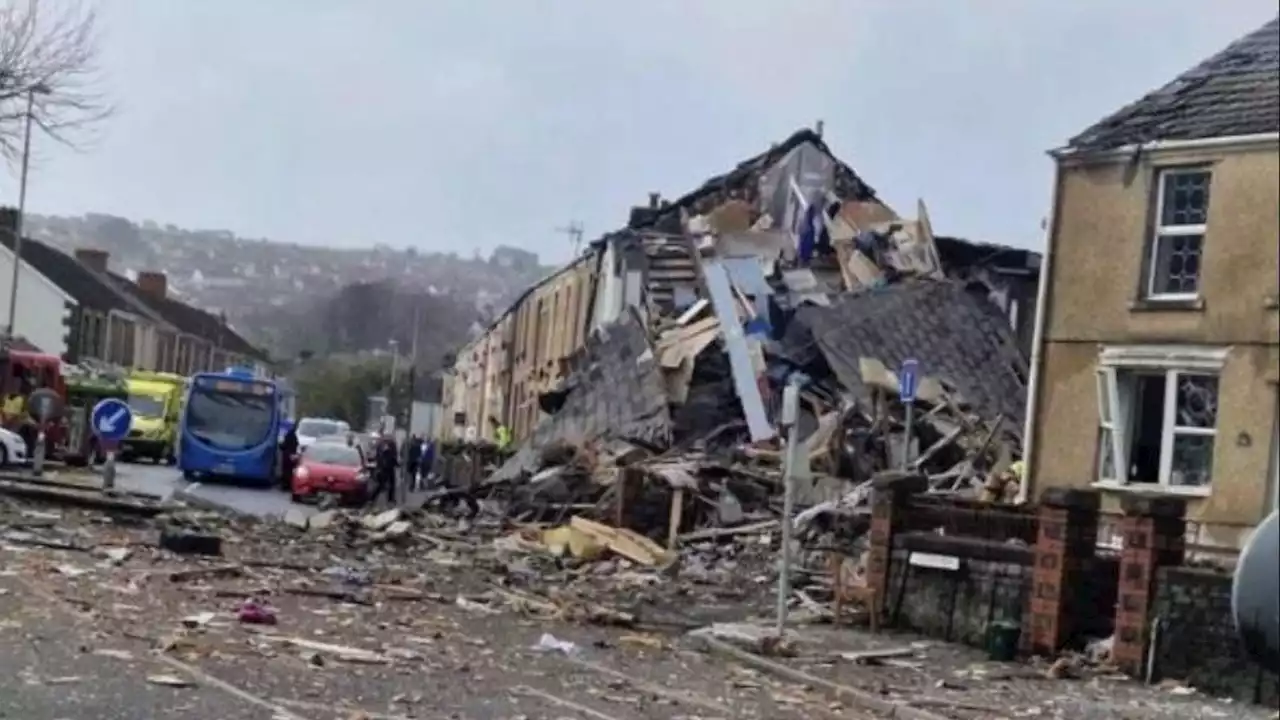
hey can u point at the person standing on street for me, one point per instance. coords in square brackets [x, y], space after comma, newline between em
[386, 462]
[413, 455]
[427, 462]
[288, 459]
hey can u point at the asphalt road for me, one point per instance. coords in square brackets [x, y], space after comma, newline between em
[166, 482]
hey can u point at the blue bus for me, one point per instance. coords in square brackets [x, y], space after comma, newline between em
[230, 428]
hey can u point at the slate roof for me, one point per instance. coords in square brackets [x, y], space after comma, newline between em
[74, 278]
[958, 337]
[190, 320]
[615, 392]
[1235, 92]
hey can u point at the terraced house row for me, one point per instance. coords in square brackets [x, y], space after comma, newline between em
[76, 307]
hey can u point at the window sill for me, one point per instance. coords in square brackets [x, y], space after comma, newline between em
[1170, 305]
[1152, 489]
[1273, 302]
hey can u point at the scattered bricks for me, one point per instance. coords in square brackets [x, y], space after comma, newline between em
[1068, 531]
[1154, 536]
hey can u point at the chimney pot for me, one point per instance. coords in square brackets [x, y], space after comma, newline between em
[818, 126]
[654, 199]
[154, 284]
[93, 259]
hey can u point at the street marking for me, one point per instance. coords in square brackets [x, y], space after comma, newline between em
[562, 702]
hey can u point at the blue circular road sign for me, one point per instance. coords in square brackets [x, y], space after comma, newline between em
[111, 419]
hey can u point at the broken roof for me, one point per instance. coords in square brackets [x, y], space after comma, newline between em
[1235, 92]
[744, 177]
[956, 335]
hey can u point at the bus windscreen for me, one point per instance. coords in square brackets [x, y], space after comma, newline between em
[230, 421]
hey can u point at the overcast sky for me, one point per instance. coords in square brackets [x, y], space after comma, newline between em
[461, 124]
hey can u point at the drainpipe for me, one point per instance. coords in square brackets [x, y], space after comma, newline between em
[1037, 342]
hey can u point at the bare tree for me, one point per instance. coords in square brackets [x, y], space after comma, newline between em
[48, 67]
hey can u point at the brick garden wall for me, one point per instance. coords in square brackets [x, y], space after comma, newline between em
[956, 606]
[1058, 586]
[1197, 642]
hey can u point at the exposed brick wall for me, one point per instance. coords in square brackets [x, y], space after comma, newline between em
[1197, 642]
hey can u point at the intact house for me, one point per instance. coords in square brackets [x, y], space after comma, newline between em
[74, 307]
[197, 340]
[1155, 364]
[507, 373]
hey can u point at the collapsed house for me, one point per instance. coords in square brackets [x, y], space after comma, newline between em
[674, 338]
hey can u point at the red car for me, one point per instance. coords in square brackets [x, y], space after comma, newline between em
[330, 468]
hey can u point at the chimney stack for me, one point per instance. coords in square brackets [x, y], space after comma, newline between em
[95, 260]
[654, 199]
[817, 127]
[154, 284]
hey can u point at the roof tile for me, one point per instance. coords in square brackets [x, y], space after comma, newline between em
[1235, 92]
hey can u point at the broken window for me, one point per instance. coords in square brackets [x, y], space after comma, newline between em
[1182, 213]
[1157, 426]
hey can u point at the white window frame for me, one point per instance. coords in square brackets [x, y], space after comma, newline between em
[1115, 409]
[1161, 232]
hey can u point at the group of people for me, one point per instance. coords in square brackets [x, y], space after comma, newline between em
[417, 459]
[418, 462]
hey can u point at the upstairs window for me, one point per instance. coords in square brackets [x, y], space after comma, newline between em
[1182, 213]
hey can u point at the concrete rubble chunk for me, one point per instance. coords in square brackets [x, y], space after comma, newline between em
[296, 518]
[382, 520]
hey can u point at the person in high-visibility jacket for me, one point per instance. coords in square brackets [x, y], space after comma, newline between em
[501, 434]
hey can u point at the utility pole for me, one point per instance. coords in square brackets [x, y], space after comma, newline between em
[22, 205]
[574, 231]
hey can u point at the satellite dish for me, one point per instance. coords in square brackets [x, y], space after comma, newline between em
[1255, 595]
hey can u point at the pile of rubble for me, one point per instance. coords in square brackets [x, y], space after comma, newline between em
[669, 425]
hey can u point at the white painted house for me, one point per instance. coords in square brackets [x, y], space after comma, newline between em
[44, 309]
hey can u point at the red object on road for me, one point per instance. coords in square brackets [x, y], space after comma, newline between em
[330, 468]
[253, 612]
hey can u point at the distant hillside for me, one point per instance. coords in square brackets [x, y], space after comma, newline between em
[369, 316]
[266, 287]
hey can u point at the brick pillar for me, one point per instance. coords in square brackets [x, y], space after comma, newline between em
[1065, 542]
[891, 492]
[1155, 534]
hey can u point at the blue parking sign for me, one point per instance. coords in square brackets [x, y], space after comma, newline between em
[908, 380]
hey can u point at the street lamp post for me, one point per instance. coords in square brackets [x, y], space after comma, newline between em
[22, 204]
